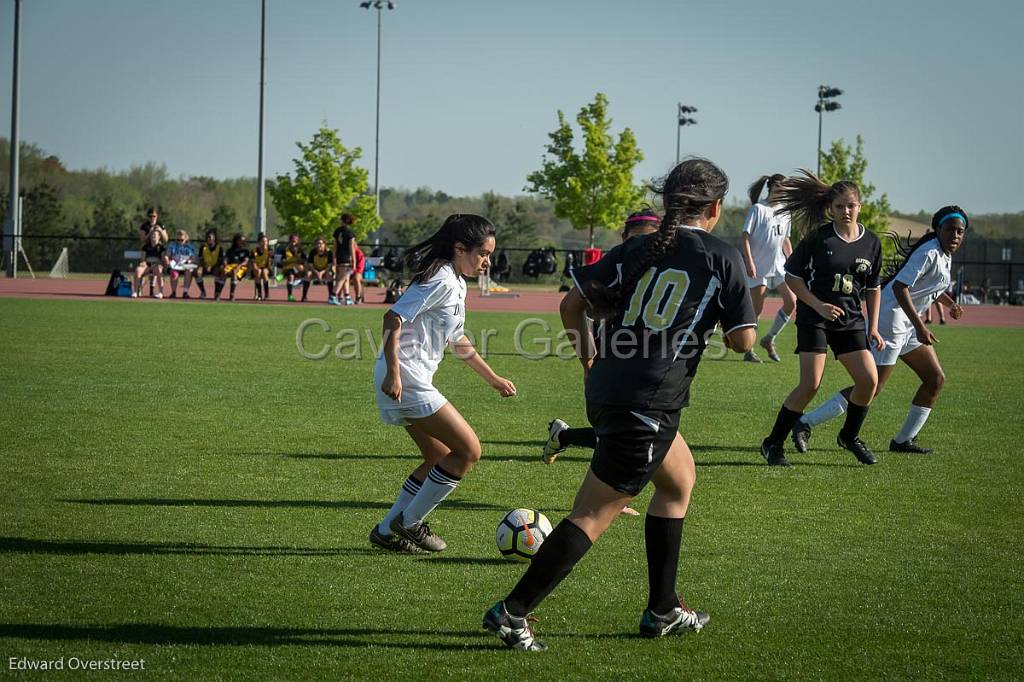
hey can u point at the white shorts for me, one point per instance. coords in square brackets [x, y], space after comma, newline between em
[771, 281]
[417, 401]
[896, 345]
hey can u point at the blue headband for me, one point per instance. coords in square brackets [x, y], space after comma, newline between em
[946, 217]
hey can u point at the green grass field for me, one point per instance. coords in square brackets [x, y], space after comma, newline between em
[181, 486]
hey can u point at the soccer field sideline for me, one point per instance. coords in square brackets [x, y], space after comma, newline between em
[233, 551]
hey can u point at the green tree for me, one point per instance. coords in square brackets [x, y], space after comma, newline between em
[841, 162]
[325, 184]
[224, 220]
[594, 189]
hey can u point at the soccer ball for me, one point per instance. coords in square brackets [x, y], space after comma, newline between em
[521, 533]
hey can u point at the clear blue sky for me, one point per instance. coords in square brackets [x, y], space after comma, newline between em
[470, 88]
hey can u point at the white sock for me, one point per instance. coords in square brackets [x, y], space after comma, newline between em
[778, 323]
[916, 418]
[830, 409]
[405, 496]
[439, 485]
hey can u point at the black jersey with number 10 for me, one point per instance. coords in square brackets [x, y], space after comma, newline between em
[837, 272]
[648, 355]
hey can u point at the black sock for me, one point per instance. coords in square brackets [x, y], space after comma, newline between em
[218, 286]
[232, 288]
[202, 286]
[784, 423]
[290, 285]
[305, 289]
[663, 537]
[583, 438]
[561, 550]
[855, 415]
[266, 288]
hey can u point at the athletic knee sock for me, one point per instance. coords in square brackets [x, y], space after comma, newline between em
[555, 559]
[291, 285]
[855, 415]
[784, 423]
[409, 489]
[305, 289]
[266, 288]
[830, 409]
[663, 538]
[233, 284]
[583, 438]
[778, 323]
[202, 285]
[916, 418]
[439, 485]
[218, 286]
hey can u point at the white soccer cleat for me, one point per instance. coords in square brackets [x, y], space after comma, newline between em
[553, 447]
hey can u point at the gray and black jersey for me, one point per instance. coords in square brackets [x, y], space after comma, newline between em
[837, 272]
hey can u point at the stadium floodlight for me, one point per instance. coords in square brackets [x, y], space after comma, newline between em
[261, 202]
[683, 118]
[826, 96]
[378, 5]
[12, 224]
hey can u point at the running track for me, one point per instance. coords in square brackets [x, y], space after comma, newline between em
[524, 302]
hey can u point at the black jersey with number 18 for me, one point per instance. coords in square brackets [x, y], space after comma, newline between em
[648, 355]
[837, 272]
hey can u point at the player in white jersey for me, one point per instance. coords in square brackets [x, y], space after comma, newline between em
[922, 278]
[766, 247]
[428, 317]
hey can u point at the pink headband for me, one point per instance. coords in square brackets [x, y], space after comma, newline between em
[643, 218]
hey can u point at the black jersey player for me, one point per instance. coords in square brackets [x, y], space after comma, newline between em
[834, 268]
[660, 295]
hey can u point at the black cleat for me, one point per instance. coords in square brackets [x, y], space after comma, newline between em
[515, 632]
[910, 446]
[680, 620]
[801, 434]
[857, 447]
[774, 454]
[393, 542]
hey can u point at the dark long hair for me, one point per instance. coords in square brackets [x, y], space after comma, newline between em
[755, 189]
[904, 250]
[687, 191]
[430, 255]
[806, 198]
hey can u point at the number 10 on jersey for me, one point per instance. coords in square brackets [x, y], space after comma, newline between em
[667, 295]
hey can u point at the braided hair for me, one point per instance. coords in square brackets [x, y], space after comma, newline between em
[426, 258]
[806, 199]
[904, 250]
[687, 192]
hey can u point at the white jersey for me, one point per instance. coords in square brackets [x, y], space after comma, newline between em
[927, 274]
[767, 231]
[433, 315]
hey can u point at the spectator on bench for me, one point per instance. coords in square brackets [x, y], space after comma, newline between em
[236, 263]
[260, 260]
[319, 268]
[293, 263]
[181, 259]
[211, 262]
[151, 265]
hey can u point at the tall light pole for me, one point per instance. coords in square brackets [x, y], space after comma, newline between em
[12, 235]
[683, 119]
[826, 97]
[378, 5]
[261, 207]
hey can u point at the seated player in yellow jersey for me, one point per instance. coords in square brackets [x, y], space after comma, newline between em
[259, 263]
[211, 262]
[319, 268]
[293, 263]
[236, 262]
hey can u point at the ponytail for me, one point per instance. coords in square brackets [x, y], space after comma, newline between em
[771, 180]
[806, 199]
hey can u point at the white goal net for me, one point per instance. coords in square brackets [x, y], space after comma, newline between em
[60, 268]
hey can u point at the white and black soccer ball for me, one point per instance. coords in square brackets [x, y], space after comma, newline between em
[521, 533]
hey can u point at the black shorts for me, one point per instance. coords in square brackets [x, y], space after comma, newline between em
[817, 340]
[631, 444]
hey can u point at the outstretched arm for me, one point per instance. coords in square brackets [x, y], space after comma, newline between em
[464, 349]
